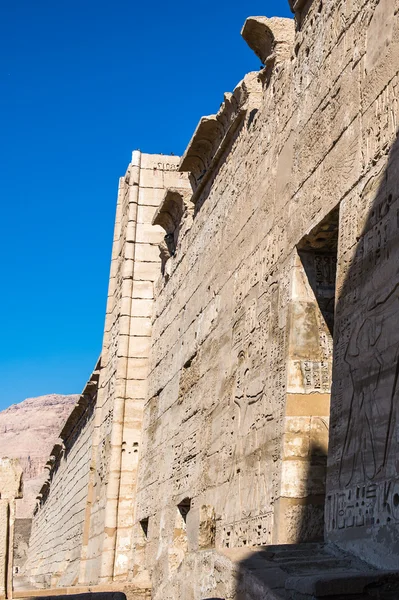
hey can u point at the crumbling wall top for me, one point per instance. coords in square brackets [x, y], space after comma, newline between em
[170, 212]
[214, 132]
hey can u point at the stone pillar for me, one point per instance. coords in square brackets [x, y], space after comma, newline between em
[135, 265]
[10, 490]
[299, 513]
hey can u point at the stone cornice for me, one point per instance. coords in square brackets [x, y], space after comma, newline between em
[272, 40]
[214, 132]
[87, 397]
[173, 205]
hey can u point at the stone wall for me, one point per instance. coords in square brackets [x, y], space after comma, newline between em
[136, 260]
[276, 280]
[236, 420]
[11, 487]
[363, 485]
[82, 527]
[59, 518]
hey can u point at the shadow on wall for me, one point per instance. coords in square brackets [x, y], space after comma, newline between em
[363, 470]
[362, 500]
[363, 455]
[262, 572]
[266, 569]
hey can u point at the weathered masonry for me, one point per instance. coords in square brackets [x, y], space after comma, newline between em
[10, 491]
[247, 390]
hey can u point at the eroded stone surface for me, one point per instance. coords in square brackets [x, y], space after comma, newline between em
[277, 308]
[10, 490]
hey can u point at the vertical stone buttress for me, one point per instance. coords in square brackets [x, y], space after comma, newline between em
[10, 490]
[135, 265]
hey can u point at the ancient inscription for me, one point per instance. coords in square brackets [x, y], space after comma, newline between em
[363, 506]
[255, 531]
[167, 166]
[372, 357]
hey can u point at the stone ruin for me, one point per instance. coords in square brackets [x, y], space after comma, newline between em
[10, 491]
[239, 435]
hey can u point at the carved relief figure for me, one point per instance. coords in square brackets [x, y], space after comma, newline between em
[373, 359]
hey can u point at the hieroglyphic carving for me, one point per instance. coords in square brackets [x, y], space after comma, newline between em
[380, 123]
[255, 531]
[363, 506]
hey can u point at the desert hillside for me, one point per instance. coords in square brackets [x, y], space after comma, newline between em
[28, 431]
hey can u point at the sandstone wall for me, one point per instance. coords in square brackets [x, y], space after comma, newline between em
[281, 256]
[363, 485]
[10, 490]
[107, 543]
[284, 180]
[59, 518]
[28, 431]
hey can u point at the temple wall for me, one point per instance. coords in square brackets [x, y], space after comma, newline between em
[271, 302]
[11, 489]
[362, 506]
[241, 361]
[82, 527]
[135, 263]
[58, 523]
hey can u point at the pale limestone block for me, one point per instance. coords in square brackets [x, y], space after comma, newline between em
[145, 271]
[10, 479]
[137, 368]
[149, 234]
[130, 234]
[125, 305]
[123, 345]
[207, 527]
[140, 326]
[136, 388]
[150, 196]
[139, 347]
[174, 179]
[145, 214]
[127, 269]
[147, 253]
[126, 288]
[379, 33]
[151, 179]
[141, 308]
[124, 324]
[295, 445]
[143, 289]
[162, 162]
[129, 250]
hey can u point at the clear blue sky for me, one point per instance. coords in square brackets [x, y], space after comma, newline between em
[82, 84]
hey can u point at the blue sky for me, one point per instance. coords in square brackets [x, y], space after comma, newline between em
[82, 84]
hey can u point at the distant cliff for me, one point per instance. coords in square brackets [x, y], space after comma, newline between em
[28, 431]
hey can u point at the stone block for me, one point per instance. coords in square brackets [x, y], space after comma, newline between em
[143, 289]
[141, 307]
[151, 196]
[149, 234]
[147, 253]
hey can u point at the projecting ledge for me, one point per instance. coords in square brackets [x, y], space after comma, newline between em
[214, 132]
[172, 208]
[272, 40]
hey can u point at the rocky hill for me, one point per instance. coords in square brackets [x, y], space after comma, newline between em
[28, 431]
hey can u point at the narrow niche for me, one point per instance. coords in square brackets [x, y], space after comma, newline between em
[318, 254]
[144, 527]
[184, 508]
[310, 358]
[180, 541]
